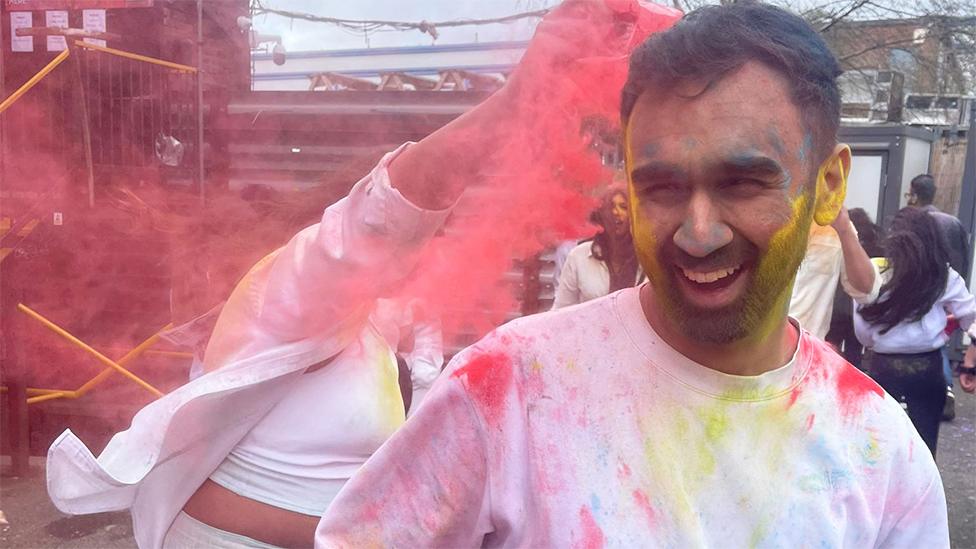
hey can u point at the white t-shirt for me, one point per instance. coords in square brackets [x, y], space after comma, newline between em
[812, 302]
[582, 428]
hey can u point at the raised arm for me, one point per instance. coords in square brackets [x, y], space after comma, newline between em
[323, 283]
[859, 275]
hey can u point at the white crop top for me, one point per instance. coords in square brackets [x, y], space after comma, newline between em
[300, 454]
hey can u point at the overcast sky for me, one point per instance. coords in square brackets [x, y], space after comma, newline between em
[303, 35]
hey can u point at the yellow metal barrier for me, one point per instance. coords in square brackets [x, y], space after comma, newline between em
[136, 57]
[102, 358]
[33, 80]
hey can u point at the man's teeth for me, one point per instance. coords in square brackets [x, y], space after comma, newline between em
[712, 276]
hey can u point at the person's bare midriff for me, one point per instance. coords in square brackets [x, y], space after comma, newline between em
[216, 506]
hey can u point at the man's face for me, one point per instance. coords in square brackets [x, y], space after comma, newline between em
[912, 198]
[722, 195]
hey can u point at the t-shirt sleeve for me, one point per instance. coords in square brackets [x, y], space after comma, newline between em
[925, 523]
[915, 512]
[426, 487]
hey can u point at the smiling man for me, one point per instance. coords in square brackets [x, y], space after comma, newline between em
[691, 411]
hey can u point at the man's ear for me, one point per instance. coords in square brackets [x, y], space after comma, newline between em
[832, 185]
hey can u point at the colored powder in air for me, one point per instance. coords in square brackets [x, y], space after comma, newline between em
[547, 172]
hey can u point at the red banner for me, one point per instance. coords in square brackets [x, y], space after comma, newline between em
[29, 5]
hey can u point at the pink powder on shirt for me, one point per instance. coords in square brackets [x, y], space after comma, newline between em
[592, 534]
[488, 378]
[641, 499]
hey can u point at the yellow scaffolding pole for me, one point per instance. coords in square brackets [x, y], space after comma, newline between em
[49, 396]
[136, 57]
[130, 356]
[33, 80]
[77, 342]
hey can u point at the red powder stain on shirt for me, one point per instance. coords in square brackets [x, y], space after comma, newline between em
[810, 420]
[488, 378]
[853, 387]
[641, 499]
[371, 512]
[592, 534]
[623, 471]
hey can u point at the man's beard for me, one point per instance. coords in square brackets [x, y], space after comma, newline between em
[756, 311]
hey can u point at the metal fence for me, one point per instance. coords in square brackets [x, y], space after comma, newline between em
[106, 115]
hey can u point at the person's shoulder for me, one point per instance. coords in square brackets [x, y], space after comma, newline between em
[527, 336]
[854, 403]
[495, 370]
[852, 393]
[560, 323]
[946, 218]
[582, 250]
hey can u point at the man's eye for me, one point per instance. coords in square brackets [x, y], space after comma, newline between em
[745, 185]
[660, 188]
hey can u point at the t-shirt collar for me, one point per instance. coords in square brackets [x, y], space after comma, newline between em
[699, 378]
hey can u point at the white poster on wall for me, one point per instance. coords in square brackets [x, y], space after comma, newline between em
[94, 21]
[21, 20]
[56, 18]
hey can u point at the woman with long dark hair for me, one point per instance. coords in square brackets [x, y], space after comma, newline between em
[904, 329]
[606, 263]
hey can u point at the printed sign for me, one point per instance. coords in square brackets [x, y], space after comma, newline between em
[56, 19]
[21, 20]
[94, 21]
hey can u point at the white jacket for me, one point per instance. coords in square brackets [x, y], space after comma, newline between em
[297, 307]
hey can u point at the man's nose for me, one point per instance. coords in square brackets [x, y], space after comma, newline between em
[703, 231]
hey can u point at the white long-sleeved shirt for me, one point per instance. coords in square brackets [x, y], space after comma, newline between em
[812, 302]
[305, 303]
[583, 277]
[926, 334]
[582, 428]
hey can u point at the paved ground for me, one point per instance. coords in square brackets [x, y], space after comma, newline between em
[34, 523]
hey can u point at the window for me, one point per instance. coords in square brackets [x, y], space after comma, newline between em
[919, 102]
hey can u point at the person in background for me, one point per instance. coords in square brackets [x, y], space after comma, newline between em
[956, 237]
[921, 196]
[903, 330]
[833, 254]
[967, 371]
[606, 263]
[841, 333]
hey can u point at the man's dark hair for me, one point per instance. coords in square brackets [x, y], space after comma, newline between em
[923, 187]
[712, 42]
